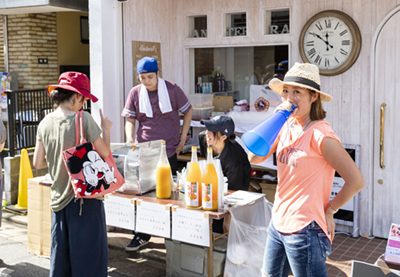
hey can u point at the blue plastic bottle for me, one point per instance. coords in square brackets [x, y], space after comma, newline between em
[260, 139]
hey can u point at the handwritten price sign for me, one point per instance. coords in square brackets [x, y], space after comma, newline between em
[120, 212]
[154, 219]
[191, 227]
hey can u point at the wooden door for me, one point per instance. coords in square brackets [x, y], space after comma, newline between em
[386, 158]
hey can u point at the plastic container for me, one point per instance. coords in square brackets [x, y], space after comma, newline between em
[202, 113]
[201, 100]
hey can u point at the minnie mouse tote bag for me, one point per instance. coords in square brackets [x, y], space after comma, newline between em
[91, 175]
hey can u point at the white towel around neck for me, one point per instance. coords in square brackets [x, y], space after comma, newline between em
[163, 99]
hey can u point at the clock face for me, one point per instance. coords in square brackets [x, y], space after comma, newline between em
[331, 41]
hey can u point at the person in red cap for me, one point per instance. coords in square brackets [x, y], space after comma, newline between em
[154, 106]
[78, 229]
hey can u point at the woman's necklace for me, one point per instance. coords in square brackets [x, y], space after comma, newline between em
[302, 131]
[288, 135]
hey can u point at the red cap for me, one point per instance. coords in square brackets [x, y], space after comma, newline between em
[74, 81]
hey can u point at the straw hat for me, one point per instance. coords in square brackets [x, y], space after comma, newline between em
[304, 75]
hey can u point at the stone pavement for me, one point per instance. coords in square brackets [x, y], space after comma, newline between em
[117, 238]
[147, 261]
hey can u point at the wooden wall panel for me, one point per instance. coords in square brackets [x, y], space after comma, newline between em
[348, 113]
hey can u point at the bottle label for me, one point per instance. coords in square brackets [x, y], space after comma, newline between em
[207, 196]
[192, 194]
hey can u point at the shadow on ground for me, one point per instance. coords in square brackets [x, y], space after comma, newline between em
[22, 270]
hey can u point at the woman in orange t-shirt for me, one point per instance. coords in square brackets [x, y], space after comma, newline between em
[308, 154]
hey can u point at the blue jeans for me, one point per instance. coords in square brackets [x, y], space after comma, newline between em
[304, 252]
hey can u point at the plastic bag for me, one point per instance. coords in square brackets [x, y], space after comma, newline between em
[262, 98]
[247, 239]
[139, 166]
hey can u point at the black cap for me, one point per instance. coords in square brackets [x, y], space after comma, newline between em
[220, 123]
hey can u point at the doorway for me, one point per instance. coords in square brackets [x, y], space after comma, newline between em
[386, 137]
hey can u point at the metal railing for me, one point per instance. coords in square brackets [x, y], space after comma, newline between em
[26, 108]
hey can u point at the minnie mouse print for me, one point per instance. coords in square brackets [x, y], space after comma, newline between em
[95, 171]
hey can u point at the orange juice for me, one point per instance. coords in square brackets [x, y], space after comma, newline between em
[193, 183]
[163, 174]
[163, 182]
[210, 184]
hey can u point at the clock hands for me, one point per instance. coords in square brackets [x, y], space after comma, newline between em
[326, 41]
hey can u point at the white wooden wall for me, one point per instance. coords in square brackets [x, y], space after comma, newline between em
[349, 113]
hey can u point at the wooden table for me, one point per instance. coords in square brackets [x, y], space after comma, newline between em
[178, 200]
[187, 157]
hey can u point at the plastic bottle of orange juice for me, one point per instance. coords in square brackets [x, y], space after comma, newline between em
[163, 174]
[193, 183]
[210, 184]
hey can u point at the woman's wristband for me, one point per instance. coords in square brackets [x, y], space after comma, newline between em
[331, 209]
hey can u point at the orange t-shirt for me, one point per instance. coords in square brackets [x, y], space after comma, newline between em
[305, 179]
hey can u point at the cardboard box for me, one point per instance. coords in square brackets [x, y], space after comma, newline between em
[39, 217]
[269, 190]
[185, 259]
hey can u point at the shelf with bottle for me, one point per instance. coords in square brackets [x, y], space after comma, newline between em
[214, 83]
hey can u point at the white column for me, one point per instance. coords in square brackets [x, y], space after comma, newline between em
[106, 72]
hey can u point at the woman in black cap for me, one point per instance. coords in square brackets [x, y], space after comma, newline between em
[234, 162]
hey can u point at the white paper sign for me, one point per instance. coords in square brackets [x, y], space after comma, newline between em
[120, 212]
[241, 197]
[392, 253]
[153, 219]
[338, 183]
[191, 227]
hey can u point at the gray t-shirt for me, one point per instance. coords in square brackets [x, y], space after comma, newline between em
[3, 136]
[57, 133]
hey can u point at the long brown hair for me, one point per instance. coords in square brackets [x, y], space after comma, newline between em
[316, 111]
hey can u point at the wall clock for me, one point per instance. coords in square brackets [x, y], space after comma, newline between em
[331, 40]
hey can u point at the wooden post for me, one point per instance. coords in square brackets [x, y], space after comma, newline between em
[210, 249]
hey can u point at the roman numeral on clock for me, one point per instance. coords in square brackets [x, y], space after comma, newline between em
[346, 42]
[336, 25]
[337, 60]
[327, 62]
[343, 33]
[319, 26]
[310, 43]
[318, 60]
[327, 23]
[311, 52]
[343, 52]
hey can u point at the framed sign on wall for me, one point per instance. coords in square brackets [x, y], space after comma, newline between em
[141, 49]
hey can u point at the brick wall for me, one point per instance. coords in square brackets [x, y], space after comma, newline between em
[2, 66]
[33, 36]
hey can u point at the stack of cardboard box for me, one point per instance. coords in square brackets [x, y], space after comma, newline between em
[39, 217]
